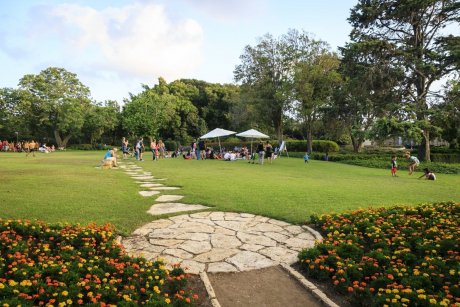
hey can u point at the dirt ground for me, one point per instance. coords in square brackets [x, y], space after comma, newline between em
[270, 287]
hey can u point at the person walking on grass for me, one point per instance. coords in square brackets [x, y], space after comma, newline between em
[306, 157]
[261, 152]
[269, 152]
[394, 166]
[31, 148]
[413, 162]
[140, 149]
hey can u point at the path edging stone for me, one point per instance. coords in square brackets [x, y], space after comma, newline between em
[209, 289]
[309, 286]
[315, 233]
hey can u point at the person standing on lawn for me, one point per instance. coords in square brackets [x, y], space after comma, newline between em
[261, 152]
[306, 157]
[394, 166]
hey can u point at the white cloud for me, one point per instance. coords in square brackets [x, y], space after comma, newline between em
[137, 40]
[233, 10]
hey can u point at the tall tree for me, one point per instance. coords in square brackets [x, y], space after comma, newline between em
[369, 91]
[447, 114]
[314, 83]
[410, 35]
[57, 101]
[267, 71]
[100, 119]
[144, 114]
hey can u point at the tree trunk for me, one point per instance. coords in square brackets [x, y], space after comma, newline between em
[61, 143]
[356, 142]
[424, 150]
[309, 140]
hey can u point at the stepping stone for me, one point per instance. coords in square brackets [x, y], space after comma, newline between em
[142, 177]
[148, 193]
[169, 198]
[164, 188]
[151, 185]
[166, 208]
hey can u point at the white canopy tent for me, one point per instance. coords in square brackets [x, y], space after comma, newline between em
[217, 133]
[253, 134]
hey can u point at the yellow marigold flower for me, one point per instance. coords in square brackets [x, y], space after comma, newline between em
[167, 301]
[422, 296]
[388, 291]
[12, 283]
[69, 301]
[127, 298]
[62, 304]
[405, 300]
[433, 301]
[80, 295]
[65, 293]
[2, 286]
[157, 277]
[395, 291]
[452, 272]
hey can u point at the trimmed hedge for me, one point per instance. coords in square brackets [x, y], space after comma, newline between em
[292, 145]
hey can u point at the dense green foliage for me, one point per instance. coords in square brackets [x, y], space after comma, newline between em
[405, 42]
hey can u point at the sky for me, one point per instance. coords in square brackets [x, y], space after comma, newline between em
[115, 46]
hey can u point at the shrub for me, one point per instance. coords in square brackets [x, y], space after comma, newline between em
[396, 256]
[61, 265]
[170, 145]
[317, 145]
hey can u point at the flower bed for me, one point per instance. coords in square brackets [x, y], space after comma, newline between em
[72, 265]
[401, 256]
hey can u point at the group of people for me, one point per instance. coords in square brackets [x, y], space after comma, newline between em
[264, 151]
[413, 164]
[158, 149]
[199, 151]
[29, 147]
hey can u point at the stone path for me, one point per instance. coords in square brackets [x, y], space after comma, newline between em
[216, 242]
[220, 241]
[212, 241]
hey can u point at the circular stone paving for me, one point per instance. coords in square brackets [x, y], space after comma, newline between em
[220, 241]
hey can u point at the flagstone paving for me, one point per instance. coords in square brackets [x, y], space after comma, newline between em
[220, 241]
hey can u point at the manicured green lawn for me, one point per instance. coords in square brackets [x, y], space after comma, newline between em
[66, 187]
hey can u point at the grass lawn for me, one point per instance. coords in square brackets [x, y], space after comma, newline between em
[66, 187]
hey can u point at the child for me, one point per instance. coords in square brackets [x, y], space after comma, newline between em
[394, 166]
[429, 175]
[306, 157]
[413, 162]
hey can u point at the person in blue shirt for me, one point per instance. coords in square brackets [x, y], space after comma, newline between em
[306, 157]
[110, 158]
